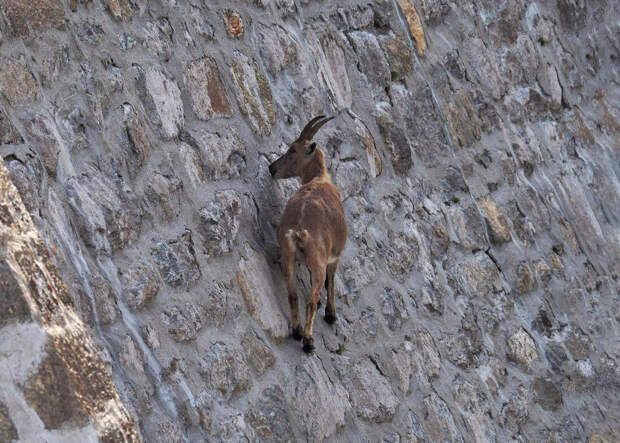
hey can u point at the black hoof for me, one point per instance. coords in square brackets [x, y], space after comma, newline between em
[297, 333]
[308, 345]
[330, 318]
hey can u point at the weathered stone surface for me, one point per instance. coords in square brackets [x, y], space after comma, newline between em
[176, 260]
[371, 395]
[253, 93]
[105, 299]
[49, 392]
[120, 9]
[25, 18]
[521, 348]
[439, 423]
[223, 154]
[224, 368]
[415, 24]
[204, 82]
[17, 83]
[479, 186]
[257, 353]
[233, 22]
[579, 344]
[398, 56]
[7, 427]
[270, 416]
[219, 223]
[159, 36]
[102, 215]
[8, 133]
[14, 303]
[259, 291]
[162, 99]
[463, 119]
[321, 404]
[183, 323]
[372, 60]
[547, 393]
[496, 222]
[141, 284]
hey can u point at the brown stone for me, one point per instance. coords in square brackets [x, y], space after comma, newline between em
[7, 427]
[398, 55]
[26, 16]
[119, 9]
[8, 133]
[463, 119]
[14, 305]
[498, 226]
[526, 279]
[205, 86]
[16, 82]
[233, 22]
[50, 394]
[415, 24]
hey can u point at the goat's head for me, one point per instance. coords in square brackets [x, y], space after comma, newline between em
[300, 152]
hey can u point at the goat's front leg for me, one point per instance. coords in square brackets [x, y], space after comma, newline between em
[330, 308]
[317, 271]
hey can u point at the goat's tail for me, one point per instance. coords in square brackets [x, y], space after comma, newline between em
[301, 237]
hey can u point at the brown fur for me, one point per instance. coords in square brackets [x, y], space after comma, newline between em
[312, 230]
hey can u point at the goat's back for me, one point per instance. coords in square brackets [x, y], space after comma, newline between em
[317, 208]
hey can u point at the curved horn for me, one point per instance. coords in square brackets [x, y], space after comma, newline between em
[312, 127]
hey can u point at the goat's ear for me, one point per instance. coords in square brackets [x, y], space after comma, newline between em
[311, 148]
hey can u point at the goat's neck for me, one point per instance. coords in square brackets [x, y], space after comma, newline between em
[315, 168]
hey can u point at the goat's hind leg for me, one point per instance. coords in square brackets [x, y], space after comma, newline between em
[288, 264]
[317, 271]
[330, 308]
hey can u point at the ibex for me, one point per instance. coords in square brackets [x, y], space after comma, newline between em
[313, 228]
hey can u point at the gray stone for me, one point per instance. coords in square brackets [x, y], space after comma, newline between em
[253, 93]
[270, 416]
[106, 218]
[439, 423]
[257, 353]
[8, 133]
[158, 38]
[547, 393]
[521, 348]
[579, 344]
[105, 299]
[223, 154]
[141, 284]
[223, 368]
[321, 404]
[176, 260]
[219, 223]
[259, 291]
[162, 99]
[183, 323]
[371, 395]
[394, 309]
[372, 60]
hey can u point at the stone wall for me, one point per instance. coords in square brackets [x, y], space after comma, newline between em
[476, 147]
